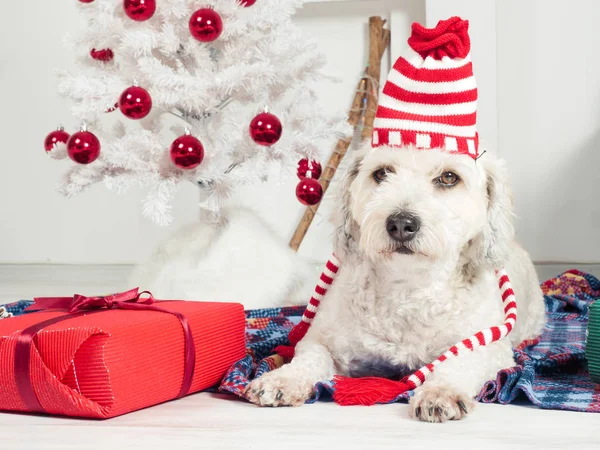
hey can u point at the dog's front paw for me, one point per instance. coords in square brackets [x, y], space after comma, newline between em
[280, 388]
[439, 404]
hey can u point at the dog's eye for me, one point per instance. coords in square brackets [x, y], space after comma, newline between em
[381, 174]
[447, 179]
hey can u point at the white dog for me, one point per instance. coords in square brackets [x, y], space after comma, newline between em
[419, 234]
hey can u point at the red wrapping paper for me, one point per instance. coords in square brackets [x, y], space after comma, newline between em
[102, 363]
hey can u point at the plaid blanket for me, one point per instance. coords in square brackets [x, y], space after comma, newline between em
[550, 373]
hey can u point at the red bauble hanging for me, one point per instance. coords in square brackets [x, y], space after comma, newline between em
[309, 169]
[187, 152]
[135, 102]
[139, 10]
[309, 191]
[103, 55]
[83, 147]
[246, 3]
[58, 136]
[206, 25]
[265, 129]
[86, 1]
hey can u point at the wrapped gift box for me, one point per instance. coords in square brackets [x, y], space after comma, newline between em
[592, 351]
[106, 356]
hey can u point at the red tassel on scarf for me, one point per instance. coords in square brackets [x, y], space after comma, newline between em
[367, 391]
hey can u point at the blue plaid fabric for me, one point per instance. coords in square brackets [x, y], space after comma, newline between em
[552, 373]
[17, 308]
[549, 373]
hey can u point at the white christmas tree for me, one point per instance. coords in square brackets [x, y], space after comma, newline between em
[172, 91]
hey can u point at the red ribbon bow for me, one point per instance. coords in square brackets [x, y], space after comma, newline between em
[78, 305]
[124, 300]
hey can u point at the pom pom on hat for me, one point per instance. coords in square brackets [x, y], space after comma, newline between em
[449, 38]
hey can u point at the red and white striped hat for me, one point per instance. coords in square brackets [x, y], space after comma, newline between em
[430, 97]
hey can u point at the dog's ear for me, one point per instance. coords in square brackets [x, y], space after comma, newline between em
[346, 229]
[492, 247]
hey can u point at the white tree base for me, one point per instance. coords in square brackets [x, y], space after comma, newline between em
[241, 261]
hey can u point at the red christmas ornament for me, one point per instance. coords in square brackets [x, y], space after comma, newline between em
[139, 10]
[309, 191]
[58, 136]
[308, 169]
[83, 147]
[135, 102]
[246, 3]
[206, 25]
[187, 152]
[103, 55]
[86, 1]
[265, 129]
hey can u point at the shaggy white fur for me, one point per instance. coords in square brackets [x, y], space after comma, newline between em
[242, 260]
[399, 305]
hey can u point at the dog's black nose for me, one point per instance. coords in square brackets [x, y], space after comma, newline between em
[402, 227]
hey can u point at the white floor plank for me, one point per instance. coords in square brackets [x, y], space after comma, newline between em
[215, 422]
[23, 282]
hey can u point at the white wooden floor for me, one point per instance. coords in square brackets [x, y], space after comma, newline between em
[218, 422]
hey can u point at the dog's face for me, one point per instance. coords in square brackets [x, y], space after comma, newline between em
[420, 207]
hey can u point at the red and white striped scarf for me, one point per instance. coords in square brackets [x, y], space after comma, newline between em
[372, 390]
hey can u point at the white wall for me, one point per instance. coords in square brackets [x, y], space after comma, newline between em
[539, 86]
[549, 123]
